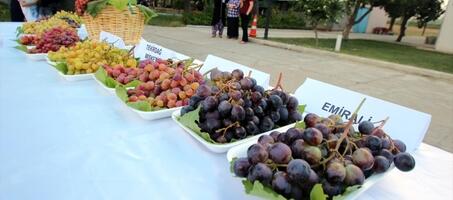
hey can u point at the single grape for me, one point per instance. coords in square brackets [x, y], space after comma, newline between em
[237, 113]
[293, 134]
[354, 175]
[387, 154]
[363, 158]
[284, 114]
[312, 136]
[235, 94]
[210, 103]
[246, 83]
[241, 167]
[332, 189]
[386, 143]
[249, 114]
[203, 91]
[212, 124]
[240, 132]
[237, 74]
[266, 124]
[260, 172]
[311, 120]
[324, 129]
[258, 111]
[294, 116]
[280, 184]
[373, 143]
[366, 127]
[266, 140]
[280, 153]
[297, 148]
[335, 172]
[274, 135]
[224, 108]
[276, 101]
[259, 89]
[404, 162]
[256, 96]
[298, 170]
[400, 145]
[297, 192]
[227, 122]
[251, 128]
[378, 132]
[257, 153]
[292, 103]
[255, 120]
[312, 154]
[213, 114]
[381, 164]
[275, 116]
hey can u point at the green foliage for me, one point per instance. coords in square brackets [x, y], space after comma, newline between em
[317, 193]
[94, 7]
[190, 120]
[320, 11]
[259, 190]
[167, 20]
[198, 17]
[390, 52]
[4, 12]
[428, 11]
[290, 19]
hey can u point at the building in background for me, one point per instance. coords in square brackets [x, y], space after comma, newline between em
[444, 41]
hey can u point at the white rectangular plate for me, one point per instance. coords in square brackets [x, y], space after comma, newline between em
[241, 151]
[111, 90]
[222, 148]
[151, 115]
[36, 56]
[78, 77]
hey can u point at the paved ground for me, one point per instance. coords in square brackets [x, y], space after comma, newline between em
[421, 93]
[418, 41]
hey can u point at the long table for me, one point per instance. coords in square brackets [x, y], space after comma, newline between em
[74, 140]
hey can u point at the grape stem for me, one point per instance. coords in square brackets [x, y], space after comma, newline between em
[279, 84]
[250, 74]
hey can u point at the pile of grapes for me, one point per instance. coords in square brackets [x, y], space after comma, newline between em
[327, 152]
[87, 56]
[55, 38]
[166, 84]
[72, 19]
[81, 6]
[39, 27]
[235, 107]
[29, 40]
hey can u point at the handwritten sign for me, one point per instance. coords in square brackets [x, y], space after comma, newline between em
[212, 61]
[113, 39]
[148, 50]
[404, 123]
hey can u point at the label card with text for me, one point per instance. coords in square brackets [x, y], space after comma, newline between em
[212, 62]
[405, 124]
[112, 39]
[148, 50]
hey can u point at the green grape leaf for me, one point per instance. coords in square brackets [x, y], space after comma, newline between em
[121, 92]
[133, 2]
[147, 13]
[94, 7]
[232, 164]
[21, 48]
[101, 75]
[119, 4]
[62, 67]
[19, 30]
[133, 83]
[190, 119]
[110, 82]
[348, 191]
[300, 124]
[301, 108]
[259, 190]
[317, 193]
[140, 105]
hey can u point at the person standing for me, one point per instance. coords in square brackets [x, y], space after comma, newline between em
[218, 17]
[233, 19]
[16, 11]
[245, 11]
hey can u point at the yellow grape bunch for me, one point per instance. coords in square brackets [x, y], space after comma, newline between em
[86, 57]
[70, 17]
[40, 27]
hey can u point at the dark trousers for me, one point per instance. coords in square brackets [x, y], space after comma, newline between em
[16, 11]
[245, 19]
[233, 27]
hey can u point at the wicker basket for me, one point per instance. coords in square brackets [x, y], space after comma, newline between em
[123, 24]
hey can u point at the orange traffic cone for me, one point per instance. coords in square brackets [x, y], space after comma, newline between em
[253, 29]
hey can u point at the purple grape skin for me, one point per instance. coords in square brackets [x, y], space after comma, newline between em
[297, 148]
[298, 170]
[260, 172]
[311, 120]
[312, 136]
[280, 153]
[404, 162]
[241, 167]
[387, 154]
[224, 108]
[335, 172]
[354, 175]
[312, 154]
[203, 91]
[366, 127]
[400, 145]
[237, 113]
[257, 153]
[381, 164]
[280, 184]
[266, 140]
[363, 158]
[274, 135]
[331, 189]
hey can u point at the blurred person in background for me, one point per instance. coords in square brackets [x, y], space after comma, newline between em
[233, 19]
[245, 11]
[16, 11]
[218, 17]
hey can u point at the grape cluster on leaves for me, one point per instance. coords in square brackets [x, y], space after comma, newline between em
[293, 162]
[235, 107]
[55, 38]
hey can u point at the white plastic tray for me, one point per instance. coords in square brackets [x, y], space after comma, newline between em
[222, 148]
[36, 56]
[49, 61]
[152, 115]
[241, 151]
[79, 77]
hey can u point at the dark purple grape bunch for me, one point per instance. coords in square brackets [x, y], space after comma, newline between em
[292, 162]
[235, 107]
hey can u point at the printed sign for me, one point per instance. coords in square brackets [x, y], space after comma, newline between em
[112, 39]
[404, 123]
[148, 50]
[212, 61]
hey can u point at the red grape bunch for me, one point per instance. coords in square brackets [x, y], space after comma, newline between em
[165, 84]
[327, 152]
[80, 6]
[235, 107]
[29, 40]
[55, 38]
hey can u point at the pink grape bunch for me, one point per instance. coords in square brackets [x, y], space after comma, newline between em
[55, 38]
[165, 84]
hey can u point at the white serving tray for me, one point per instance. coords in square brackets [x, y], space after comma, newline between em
[49, 61]
[241, 151]
[151, 115]
[36, 56]
[78, 77]
[111, 90]
[222, 148]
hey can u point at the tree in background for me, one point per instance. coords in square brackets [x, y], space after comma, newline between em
[430, 11]
[424, 10]
[320, 12]
[352, 9]
[393, 9]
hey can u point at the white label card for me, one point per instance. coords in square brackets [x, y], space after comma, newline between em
[112, 39]
[212, 62]
[148, 50]
[405, 124]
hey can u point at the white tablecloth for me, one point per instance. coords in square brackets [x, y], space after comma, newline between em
[74, 140]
